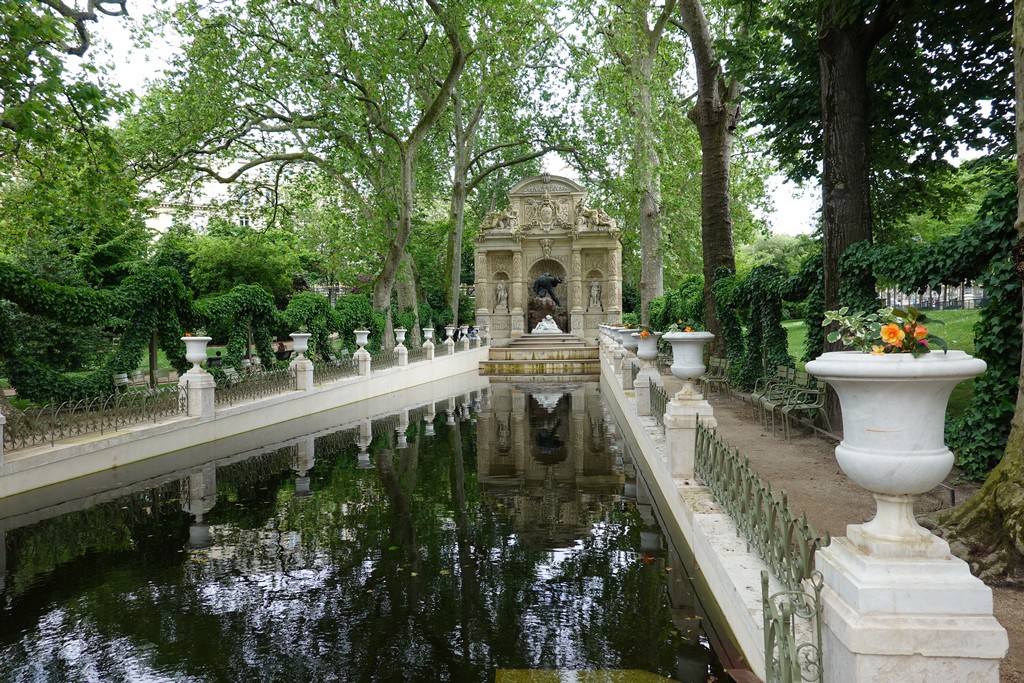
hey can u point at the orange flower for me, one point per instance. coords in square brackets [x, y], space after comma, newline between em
[920, 332]
[188, 334]
[892, 334]
[644, 334]
[877, 349]
[688, 329]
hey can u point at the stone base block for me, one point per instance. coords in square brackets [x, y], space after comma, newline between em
[905, 619]
[681, 417]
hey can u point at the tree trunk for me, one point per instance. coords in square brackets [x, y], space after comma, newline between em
[406, 291]
[988, 530]
[845, 184]
[716, 114]
[715, 121]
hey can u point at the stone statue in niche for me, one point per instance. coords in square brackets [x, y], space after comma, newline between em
[501, 295]
[545, 246]
[544, 287]
[595, 296]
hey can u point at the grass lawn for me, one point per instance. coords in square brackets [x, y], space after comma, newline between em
[957, 328]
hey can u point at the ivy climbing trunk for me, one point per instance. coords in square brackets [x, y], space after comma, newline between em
[988, 529]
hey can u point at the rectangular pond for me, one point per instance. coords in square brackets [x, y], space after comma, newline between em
[489, 535]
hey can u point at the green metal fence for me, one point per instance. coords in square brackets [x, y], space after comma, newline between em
[233, 389]
[786, 543]
[100, 414]
[659, 401]
[335, 370]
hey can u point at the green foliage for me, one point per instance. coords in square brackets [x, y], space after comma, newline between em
[686, 302]
[979, 438]
[630, 297]
[245, 310]
[924, 99]
[888, 330]
[631, 320]
[313, 312]
[151, 300]
[221, 263]
[355, 312]
[728, 291]
[765, 341]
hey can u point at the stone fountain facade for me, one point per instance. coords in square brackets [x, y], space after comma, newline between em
[547, 229]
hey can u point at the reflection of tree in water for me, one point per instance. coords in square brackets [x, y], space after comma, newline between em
[396, 573]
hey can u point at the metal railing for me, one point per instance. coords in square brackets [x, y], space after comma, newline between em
[231, 390]
[787, 660]
[51, 423]
[335, 370]
[787, 544]
[385, 358]
[634, 370]
[416, 354]
[659, 401]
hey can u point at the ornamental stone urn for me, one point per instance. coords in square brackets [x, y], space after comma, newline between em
[195, 352]
[895, 598]
[688, 354]
[894, 411]
[400, 335]
[300, 342]
[628, 340]
[646, 346]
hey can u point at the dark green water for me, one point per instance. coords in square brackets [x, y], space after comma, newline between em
[503, 540]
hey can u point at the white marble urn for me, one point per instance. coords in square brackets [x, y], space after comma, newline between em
[300, 342]
[400, 335]
[894, 410]
[688, 353]
[195, 351]
[646, 347]
[627, 339]
[362, 337]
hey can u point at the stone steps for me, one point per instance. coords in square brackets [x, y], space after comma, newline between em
[544, 357]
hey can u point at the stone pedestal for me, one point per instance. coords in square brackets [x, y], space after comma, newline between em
[303, 369]
[199, 386]
[626, 370]
[403, 355]
[428, 349]
[683, 413]
[648, 376]
[916, 618]
[362, 357]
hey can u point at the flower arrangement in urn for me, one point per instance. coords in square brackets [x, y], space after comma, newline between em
[683, 326]
[889, 330]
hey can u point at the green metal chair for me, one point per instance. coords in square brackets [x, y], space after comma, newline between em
[779, 395]
[811, 401]
[764, 384]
